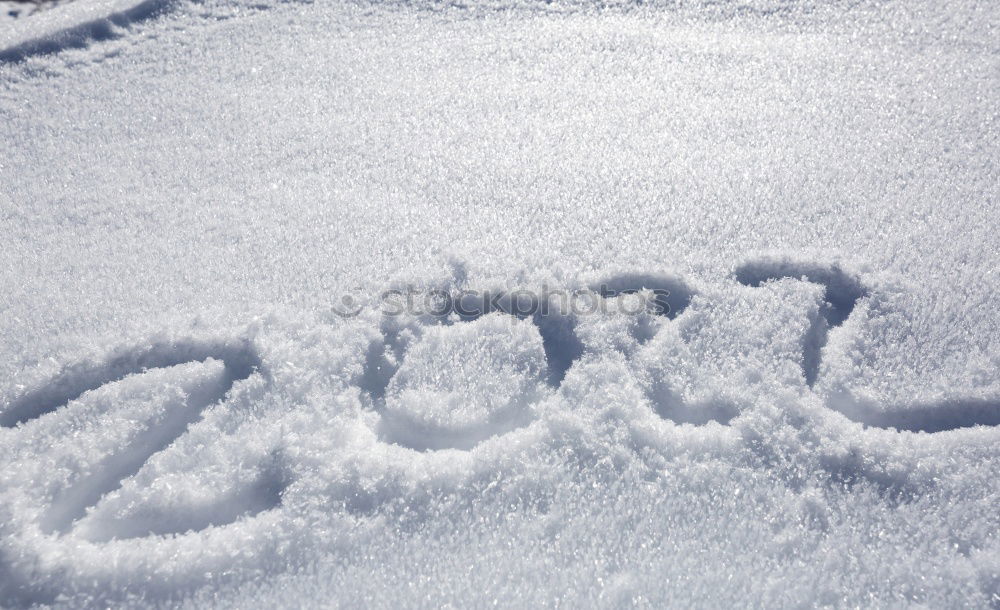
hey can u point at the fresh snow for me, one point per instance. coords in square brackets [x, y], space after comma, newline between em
[804, 194]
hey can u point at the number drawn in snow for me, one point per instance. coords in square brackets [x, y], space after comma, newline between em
[459, 384]
[843, 289]
[556, 326]
[485, 370]
[388, 367]
[239, 362]
[842, 292]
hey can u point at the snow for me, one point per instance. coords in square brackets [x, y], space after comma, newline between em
[188, 192]
[71, 24]
[459, 385]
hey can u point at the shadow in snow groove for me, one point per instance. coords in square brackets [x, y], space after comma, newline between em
[239, 362]
[842, 291]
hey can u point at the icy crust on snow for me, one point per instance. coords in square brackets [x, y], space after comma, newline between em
[305, 445]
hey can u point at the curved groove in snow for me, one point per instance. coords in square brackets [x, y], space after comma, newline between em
[239, 361]
[239, 357]
[926, 416]
[74, 25]
[842, 290]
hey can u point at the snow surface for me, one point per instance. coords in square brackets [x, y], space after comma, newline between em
[187, 192]
[70, 24]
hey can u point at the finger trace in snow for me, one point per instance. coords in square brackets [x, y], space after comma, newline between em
[238, 356]
[843, 288]
[550, 313]
[945, 414]
[223, 364]
[477, 383]
[460, 384]
[842, 291]
[269, 158]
